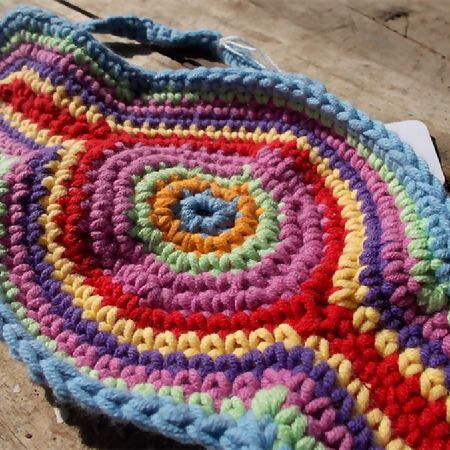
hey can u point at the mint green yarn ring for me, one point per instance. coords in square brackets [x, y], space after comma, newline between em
[253, 249]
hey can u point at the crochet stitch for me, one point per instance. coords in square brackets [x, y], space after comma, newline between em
[229, 257]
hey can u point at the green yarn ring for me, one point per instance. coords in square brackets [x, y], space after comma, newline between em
[245, 257]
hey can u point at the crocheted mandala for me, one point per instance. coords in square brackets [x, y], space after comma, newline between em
[229, 257]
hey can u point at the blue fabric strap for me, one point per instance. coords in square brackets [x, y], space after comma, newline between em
[146, 31]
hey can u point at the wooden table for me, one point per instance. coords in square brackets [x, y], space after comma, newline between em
[389, 58]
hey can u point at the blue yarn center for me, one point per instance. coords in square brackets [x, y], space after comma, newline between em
[202, 213]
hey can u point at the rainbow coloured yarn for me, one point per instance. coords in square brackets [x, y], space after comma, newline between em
[233, 258]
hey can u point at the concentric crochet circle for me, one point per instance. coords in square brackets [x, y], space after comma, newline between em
[230, 258]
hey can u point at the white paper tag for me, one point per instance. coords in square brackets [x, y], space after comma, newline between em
[416, 134]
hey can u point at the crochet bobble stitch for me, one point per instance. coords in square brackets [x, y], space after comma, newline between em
[232, 258]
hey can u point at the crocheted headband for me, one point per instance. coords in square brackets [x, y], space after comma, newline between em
[230, 257]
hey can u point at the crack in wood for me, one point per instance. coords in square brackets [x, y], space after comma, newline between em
[395, 15]
[391, 15]
[77, 9]
[384, 24]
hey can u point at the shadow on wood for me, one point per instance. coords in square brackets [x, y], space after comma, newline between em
[190, 57]
[100, 432]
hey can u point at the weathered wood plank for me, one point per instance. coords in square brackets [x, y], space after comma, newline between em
[27, 419]
[389, 58]
[424, 22]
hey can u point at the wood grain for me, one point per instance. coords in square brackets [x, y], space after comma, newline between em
[389, 58]
[27, 419]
